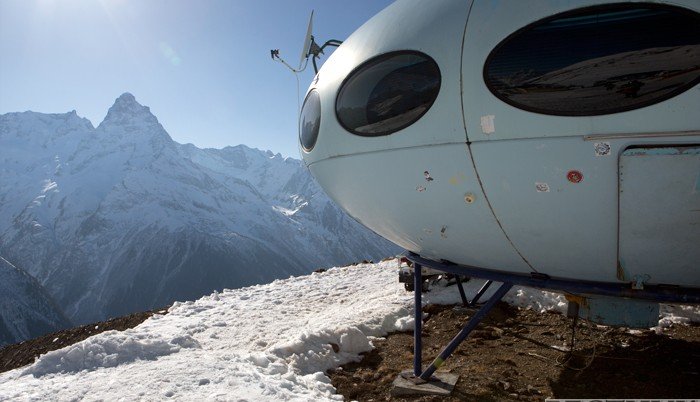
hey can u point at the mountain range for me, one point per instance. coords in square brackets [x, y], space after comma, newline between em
[121, 218]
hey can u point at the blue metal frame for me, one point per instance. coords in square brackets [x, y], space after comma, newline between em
[418, 318]
[480, 293]
[508, 279]
[658, 293]
[465, 302]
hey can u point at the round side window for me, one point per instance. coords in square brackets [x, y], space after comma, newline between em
[388, 93]
[310, 121]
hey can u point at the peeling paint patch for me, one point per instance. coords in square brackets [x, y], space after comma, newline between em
[658, 150]
[420, 189]
[428, 231]
[542, 187]
[601, 148]
[639, 281]
[442, 232]
[427, 176]
[487, 124]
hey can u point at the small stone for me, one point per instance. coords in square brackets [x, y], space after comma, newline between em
[505, 385]
[532, 390]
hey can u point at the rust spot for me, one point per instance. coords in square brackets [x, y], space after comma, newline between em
[580, 300]
[620, 272]
[420, 189]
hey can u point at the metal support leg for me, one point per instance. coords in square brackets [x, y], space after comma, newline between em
[465, 302]
[480, 293]
[418, 317]
[473, 322]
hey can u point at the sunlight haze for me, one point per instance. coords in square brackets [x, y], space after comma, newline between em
[203, 67]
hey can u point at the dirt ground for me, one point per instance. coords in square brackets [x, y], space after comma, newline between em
[513, 356]
[23, 353]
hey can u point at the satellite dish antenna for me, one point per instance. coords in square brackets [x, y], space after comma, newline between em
[308, 39]
[309, 48]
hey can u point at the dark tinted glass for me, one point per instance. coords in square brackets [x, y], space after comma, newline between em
[310, 121]
[598, 60]
[388, 93]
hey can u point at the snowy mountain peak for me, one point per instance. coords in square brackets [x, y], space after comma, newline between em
[127, 112]
[121, 218]
[126, 97]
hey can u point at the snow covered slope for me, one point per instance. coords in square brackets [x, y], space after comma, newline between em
[121, 218]
[26, 309]
[268, 342]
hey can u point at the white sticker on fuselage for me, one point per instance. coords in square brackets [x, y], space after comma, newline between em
[542, 187]
[601, 148]
[487, 125]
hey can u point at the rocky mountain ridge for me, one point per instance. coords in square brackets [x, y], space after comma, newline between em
[121, 218]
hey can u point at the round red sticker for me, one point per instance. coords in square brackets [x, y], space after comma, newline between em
[574, 176]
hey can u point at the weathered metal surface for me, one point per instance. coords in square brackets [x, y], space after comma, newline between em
[475, 180]
[566, 229]
[659, 209]
[381, 191]
[617, 311]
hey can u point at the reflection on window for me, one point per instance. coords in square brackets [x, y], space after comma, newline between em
[388, 93]
[310, 121]
[598, 60]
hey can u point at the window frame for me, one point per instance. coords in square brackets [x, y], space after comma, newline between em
[373, 61]
[301, 116]
[578, 12]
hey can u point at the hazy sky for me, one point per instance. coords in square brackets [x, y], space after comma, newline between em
[202, 66]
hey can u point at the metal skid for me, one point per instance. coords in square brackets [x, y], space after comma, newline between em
[656, 293]
[420, 375]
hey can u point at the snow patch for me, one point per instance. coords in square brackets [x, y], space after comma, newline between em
[678, 314]
[49, 185]
[268, 342]
[108, 349]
